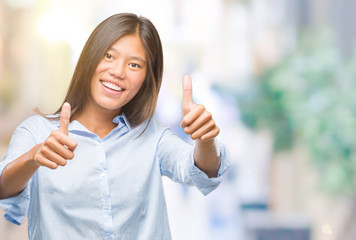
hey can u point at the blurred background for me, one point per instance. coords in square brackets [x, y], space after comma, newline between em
[278, 76]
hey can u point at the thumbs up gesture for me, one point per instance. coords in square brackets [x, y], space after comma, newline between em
[196, 120]
[58, 147]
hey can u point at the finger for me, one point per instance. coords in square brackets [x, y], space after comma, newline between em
[207, 127]
[187, 95]
[60, 149]
[64, 140]
[202, 120]
[194, 113]
[210, 135]
[53, 156]
[43, 161]
[64, 118]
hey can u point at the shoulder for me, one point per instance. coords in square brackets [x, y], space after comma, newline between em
[30, 132]
[156, 126]
[38, 121]
[154, 123]
[150, 127]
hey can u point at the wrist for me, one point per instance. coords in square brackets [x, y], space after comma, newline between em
[208, 146]
[207, 157]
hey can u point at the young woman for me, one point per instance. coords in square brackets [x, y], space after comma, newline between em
[93, 169]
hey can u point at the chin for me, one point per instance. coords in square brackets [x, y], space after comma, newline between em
[109, 107]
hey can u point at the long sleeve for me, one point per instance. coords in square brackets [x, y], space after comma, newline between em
[177, 162]
[22, 141]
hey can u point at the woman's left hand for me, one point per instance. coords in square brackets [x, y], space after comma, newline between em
[197, 122]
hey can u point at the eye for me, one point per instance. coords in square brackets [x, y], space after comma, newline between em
[134, 65]
[109, 56]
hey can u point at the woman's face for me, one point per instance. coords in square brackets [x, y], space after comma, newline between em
[120, 74]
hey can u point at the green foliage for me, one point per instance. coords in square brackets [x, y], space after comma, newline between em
[310, 97]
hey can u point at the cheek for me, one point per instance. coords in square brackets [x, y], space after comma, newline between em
[102, 65]
[139, 81]
[92, 85]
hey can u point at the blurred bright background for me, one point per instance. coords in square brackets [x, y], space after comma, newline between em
[278, 76]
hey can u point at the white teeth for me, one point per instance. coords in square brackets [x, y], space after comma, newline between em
[111, 86]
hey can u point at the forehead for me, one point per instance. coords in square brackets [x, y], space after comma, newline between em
[129, 45]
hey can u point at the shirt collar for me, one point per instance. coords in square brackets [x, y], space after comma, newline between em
[123, 120]
[75, 125]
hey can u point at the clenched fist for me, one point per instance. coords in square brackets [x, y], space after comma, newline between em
[197, 122]
[58, 147]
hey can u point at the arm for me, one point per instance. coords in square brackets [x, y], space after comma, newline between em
[176, 159]
[206, 157]
[201, 126]
[16, 174]
[55, 150]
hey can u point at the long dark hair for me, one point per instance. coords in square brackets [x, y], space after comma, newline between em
[143, 105]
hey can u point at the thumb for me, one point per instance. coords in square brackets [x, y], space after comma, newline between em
[64, 118]
[187, 95]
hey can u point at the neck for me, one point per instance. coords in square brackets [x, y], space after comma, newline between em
[98, 121]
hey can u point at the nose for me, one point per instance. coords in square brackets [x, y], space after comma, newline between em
[117, 69]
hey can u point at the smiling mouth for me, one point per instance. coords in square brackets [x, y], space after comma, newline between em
[111, 86]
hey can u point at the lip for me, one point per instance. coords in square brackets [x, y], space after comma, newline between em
[113, 82]
[110, 91]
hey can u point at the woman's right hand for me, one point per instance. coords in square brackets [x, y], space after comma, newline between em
[58, 147]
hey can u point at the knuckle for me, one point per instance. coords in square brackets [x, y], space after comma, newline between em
[74, 145]
[184, 119]
[186, 130]
[39, 159]
[184, 124]
[209, 128]
[47, 141]
[50, 141]
[212, 122]
[194, 136]
[208, 119]
[45, 149]
[70, 155]
[53, 166]
[55, 133]
[201, 107]
[217, 130]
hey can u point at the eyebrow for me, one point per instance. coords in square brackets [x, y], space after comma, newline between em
[131, 57]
